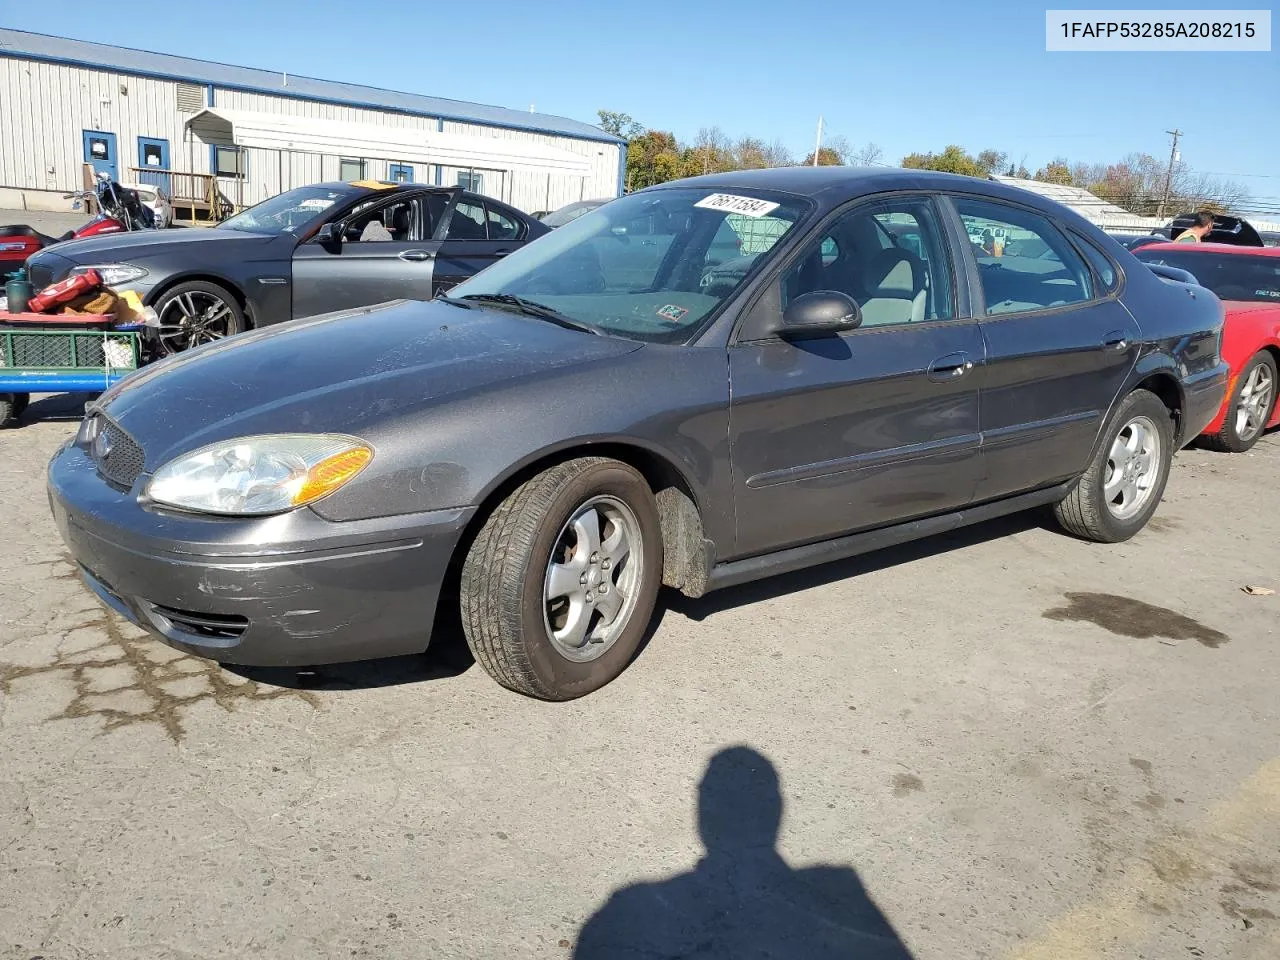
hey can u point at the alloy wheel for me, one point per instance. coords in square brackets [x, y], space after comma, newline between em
[1133, 468]
[1255, 403]
[593, 578]
[192, 318]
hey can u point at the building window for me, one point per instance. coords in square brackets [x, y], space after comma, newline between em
[400, 173]
[471, 181]
[228, 162]
[349, 170]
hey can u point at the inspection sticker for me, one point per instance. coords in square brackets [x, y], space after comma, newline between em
[672, 312]
[730, 203]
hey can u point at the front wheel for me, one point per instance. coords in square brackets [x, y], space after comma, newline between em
[559, 586]
[1250, 408]
[196, 312]
[1122, 486]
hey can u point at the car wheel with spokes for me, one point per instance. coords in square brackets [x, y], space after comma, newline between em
[559, 585]
[1251, 405]
[1122, 486]
[194, 313]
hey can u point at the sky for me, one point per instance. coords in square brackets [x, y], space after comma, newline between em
[911, 75]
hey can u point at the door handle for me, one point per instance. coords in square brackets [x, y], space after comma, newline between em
[501, 253]
[950, 367]
[1116, 340]
[416, 255]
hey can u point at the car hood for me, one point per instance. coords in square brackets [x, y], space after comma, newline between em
[359, 372]
[113, 247]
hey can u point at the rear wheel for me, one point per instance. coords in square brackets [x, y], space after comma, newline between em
[559, 586]
[8, 416]
[1250, 408]
[1122, 486]
[196, 312]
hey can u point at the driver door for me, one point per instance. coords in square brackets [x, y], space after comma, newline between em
[386, 253]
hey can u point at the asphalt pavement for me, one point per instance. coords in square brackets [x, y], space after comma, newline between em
[1001, 743]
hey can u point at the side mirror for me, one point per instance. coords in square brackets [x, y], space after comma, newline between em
[819, 314]
[330, 234]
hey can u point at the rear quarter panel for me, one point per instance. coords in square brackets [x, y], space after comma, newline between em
[1249, 327]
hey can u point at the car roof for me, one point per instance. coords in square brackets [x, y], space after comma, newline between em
[1200, 248]
[831, 186]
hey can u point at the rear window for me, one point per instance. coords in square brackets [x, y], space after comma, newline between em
[1231, 276]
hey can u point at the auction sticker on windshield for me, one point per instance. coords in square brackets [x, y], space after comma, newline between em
[730, 203]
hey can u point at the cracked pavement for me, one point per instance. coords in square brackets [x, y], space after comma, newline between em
[1010, 743]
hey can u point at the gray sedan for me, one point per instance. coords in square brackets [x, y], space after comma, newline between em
[304, 252]
[696, 385]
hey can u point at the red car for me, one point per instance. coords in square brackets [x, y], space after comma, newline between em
[1247, 281]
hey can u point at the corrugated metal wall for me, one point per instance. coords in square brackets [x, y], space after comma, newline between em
[44, 109]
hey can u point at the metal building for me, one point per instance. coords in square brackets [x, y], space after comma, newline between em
[191, 125]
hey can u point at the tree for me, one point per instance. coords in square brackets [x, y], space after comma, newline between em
[827, 157]
[652, 157]
[1056, 171]
[954, 159]
[989, 161]
[619, 124]
[869, 156]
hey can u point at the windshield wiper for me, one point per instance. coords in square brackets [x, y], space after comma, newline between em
[531, 308]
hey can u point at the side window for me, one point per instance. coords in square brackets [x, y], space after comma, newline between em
[467, 223]
[1024, 262]
[1103, 268]
[397, 222]
[890, 258]
[502, 227]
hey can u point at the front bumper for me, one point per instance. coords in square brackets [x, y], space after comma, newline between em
[1205, 396]
[292, 589]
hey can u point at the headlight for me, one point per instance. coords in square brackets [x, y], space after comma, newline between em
[259, 475]
[113, 274]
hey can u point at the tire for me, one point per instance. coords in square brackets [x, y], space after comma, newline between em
[1090, 511]
[196, 312]
[1252, 403]
[8, 418]
[20, 401]
[524, 640]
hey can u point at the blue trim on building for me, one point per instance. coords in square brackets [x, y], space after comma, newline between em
[16, 44]
[439, 175]
[622, 169]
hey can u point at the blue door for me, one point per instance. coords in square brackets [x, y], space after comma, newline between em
[153, 154]
[400, 172]
[100, 150]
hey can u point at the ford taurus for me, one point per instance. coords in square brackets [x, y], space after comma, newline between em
[695, 385]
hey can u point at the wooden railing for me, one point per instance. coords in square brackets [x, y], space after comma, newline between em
[198, 195]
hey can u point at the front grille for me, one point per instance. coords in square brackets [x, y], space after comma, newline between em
[116, 454]
[206, 626]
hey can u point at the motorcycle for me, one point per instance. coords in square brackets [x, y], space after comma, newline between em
[119, 209]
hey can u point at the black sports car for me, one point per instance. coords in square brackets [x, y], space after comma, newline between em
[325, 247]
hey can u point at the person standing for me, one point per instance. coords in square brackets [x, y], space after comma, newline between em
[1197, 232]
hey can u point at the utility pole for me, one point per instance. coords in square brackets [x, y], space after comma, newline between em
[817, 147]
[1168, 177]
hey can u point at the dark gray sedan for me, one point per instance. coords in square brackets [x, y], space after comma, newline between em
[304, 252]
[616, 407]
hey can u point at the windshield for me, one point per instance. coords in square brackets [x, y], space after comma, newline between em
[571, 212]
[287, 212]
[651, 266]
[1230, 276]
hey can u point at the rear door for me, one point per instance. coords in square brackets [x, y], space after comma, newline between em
[1059, 347]
[479, 232]
[843, 433]
[387, 253]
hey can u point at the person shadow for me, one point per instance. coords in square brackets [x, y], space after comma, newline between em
[742, 900]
